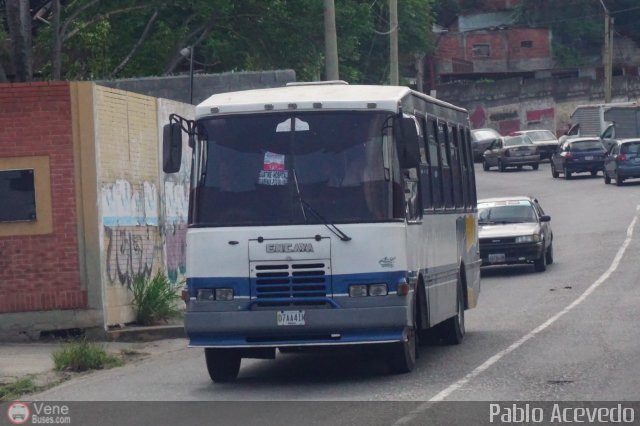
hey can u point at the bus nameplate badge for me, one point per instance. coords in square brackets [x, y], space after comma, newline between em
[290, 318]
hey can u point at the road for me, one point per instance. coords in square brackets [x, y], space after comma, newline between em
[565, 334]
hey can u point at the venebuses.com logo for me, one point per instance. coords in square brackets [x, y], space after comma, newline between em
[18, 412]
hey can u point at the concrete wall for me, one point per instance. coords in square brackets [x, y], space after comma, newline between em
[143, 211]
[128, 183]
[516, 104]
[204, 85]
[174, 199]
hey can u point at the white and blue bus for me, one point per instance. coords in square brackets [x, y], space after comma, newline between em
[326, 214]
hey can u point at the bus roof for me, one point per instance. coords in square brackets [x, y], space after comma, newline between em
[311, 96]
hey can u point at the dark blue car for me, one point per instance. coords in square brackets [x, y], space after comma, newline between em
[623, 161]
[578, 155]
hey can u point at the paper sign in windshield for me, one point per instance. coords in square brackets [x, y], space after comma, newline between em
[273, 172]
[273, 161]
[273, 177]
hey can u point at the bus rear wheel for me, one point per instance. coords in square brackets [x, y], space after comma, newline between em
[223, 365]
[452, 330]
[402, 355]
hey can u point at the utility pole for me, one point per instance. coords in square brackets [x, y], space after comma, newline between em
[607, 55]
[393, 49]
[330, 41]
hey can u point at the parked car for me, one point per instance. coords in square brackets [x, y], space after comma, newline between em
[546, 141]
[480, 141]
[622, 161]
[578, 155]
[511, 151]
[514, 230]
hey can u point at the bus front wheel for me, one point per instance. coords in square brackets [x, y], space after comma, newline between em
[223, 365]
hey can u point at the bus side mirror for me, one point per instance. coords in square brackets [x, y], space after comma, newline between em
[408, 144]
[171, 147]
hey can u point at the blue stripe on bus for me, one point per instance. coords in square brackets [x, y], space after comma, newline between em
[337, 284]
[345, 338]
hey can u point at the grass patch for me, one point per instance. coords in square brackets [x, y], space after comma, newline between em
[82, 356]
[155, 299]
[14, 390]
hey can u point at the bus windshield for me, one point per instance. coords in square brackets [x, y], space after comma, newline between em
[263, 169]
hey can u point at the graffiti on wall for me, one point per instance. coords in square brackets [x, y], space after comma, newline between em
[478, 118]
[125, 205]
[130, 220]
[176, 209]
[541, 119]
[131, 252]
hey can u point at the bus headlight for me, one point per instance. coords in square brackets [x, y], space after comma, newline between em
[224, 294]
[359, 290]
[378, 290]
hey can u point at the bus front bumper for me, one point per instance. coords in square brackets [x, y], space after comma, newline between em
[323, 327]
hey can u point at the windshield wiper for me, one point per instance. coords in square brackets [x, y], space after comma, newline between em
[303, 204]
[330, 226]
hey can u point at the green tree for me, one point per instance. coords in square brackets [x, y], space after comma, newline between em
[577, 27]
[96, 39]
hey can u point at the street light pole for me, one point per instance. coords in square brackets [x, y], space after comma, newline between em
[191, 75]
[607, 55]
[393, 48]
[184, 52]
[330, 41]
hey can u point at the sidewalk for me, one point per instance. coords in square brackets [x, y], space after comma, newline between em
[35, 360]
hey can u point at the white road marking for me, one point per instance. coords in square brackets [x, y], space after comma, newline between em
[495, 358]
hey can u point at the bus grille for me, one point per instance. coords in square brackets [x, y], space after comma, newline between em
[290, 280]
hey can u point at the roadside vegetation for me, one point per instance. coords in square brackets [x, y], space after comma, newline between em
[83, 355]
[155, 299]
[12, 391]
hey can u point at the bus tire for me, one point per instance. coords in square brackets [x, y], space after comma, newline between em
[452, 330]
[402, 355]
[223, 365]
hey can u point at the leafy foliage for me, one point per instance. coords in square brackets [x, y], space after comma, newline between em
[83, 355]
[155, 299]
[228, 35]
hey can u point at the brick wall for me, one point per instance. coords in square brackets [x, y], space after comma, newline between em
[41, 272]
[505, 49]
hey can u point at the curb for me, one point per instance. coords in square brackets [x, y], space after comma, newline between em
[146, 334]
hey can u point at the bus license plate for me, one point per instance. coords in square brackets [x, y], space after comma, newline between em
[290, 317]
[496, 257]
[588, 157]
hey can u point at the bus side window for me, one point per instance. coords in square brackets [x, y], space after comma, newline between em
[425, 167]
[434, 164]
[472, 174]
[411, 184]
[445, 168]
[456, 173]
[464, 168]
